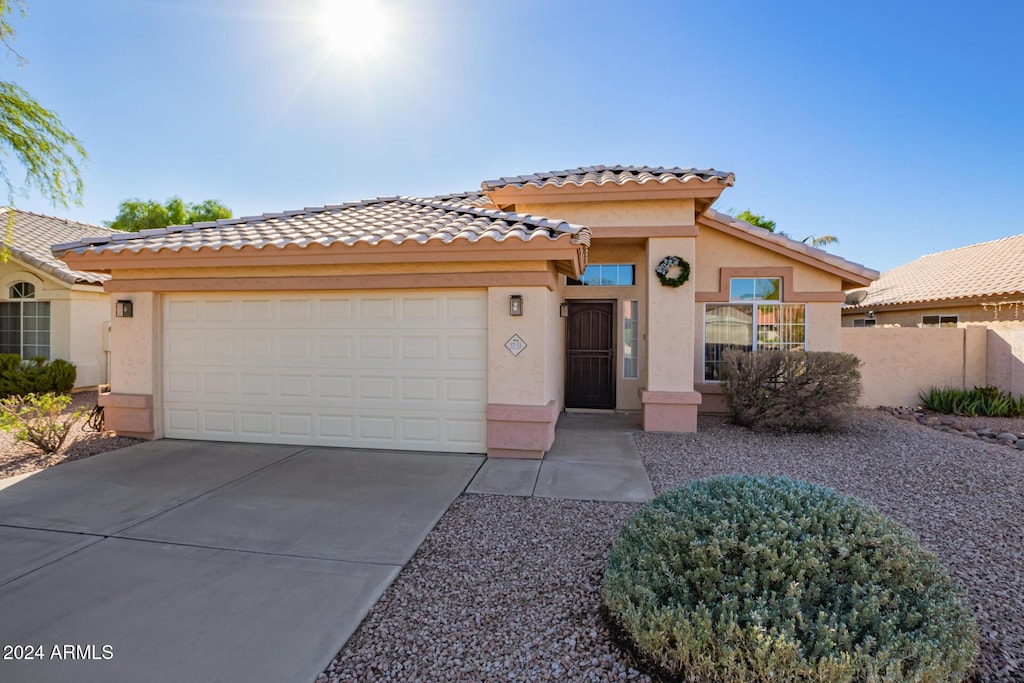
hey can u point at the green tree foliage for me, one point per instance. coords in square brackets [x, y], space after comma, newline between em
[747, 216]
[135, 214]
[35, 136]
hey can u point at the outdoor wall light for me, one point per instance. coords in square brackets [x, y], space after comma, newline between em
[123, 308]
[563, 309]
[515, 305]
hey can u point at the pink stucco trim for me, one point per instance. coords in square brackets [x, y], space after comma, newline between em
[128, 414]
[515, 431]
[670, 411]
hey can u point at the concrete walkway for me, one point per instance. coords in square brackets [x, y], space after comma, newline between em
[594, 457]
[195, 561]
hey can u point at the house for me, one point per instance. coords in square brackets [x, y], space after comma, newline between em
[461, 323]
[47, 308]
[980, 283]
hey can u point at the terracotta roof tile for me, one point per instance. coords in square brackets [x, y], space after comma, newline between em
[987, 269]
[387, 219]
[618, 175]
[35, 232]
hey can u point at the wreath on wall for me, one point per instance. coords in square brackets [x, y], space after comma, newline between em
[666, 265]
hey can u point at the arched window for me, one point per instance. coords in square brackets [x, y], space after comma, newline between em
[24, 322]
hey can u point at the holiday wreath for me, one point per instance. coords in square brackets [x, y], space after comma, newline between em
[666, 265]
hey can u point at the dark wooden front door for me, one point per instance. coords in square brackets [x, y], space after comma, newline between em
[590, 355]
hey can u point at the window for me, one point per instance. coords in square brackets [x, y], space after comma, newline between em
[606, 275]
[755, 289]
[752, 326]
[864, 322]
[939, 320]
[24, 323]
[630, 340]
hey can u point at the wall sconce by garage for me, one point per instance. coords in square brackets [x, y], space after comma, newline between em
[123, 308]
[515, 305]
[563, 309]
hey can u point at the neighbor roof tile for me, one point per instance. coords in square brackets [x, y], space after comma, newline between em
[994, 268]
[34, 233]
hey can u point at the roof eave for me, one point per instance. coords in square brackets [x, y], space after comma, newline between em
[691, 188]
[852, 274]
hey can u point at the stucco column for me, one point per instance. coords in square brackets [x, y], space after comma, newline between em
[135, 353]
[669, 400]
[521, 414]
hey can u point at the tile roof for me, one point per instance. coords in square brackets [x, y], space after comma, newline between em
[33, 235]
[386, 219]
[792, 244]
[469, 198]
[618, 175]
[987, 269]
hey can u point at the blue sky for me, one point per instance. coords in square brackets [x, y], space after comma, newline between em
[898, 127]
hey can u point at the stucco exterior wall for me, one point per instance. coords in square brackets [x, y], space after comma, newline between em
[1004, 365]
[716, 250]
[899, 363]
[317, 270]
[645, 212]
[78, 318]
[912, 317]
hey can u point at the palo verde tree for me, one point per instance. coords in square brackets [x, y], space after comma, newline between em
[762, 222]
[136, 214]
[35, 136]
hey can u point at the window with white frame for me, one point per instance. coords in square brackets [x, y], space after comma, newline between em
[24, 322]
[939, 320]
[864, 322]
[755, 318]
[630, 339]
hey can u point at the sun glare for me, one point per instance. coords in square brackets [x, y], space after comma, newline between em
[358, 28]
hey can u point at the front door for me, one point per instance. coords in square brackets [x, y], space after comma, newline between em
[590, 355]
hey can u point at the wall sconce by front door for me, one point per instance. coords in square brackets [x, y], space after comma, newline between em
[123, 308]
[515, 305]
[563, 309]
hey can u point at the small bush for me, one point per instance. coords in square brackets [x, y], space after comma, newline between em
[790, 390]
[38, 419]
[751, 580]
[986, 401]
[35, 376]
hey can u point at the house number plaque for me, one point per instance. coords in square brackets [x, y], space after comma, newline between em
[515, 345]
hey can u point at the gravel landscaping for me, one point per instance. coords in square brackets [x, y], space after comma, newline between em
[509, 588]
[22, 458]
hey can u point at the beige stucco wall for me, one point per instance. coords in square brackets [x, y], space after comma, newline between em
[646, 212]
[78, 318]
[670, 320]
[523, 379]
[318, 270]
[899, 363]
[716, 250]
[912, 317]
[1004, 364]
[136, 351]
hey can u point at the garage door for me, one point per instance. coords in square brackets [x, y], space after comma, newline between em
[398, 370]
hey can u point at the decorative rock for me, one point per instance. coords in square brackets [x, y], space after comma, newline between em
[1007, 436]
[1019, 444]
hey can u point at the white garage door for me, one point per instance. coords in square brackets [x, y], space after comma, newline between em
[384, 370]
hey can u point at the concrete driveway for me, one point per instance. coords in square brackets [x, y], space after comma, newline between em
[195, 561]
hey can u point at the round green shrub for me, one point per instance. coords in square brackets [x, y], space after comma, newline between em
[747, 579]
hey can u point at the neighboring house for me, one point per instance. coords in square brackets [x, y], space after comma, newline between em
[978, 283]
[46, 308]
[460, 323]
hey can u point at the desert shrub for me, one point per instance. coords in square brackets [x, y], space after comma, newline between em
[39, 419]
[791, 390]
[35, 376]
[987, 401]
[750, 580]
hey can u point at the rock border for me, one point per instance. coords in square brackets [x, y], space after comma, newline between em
[955, 424]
